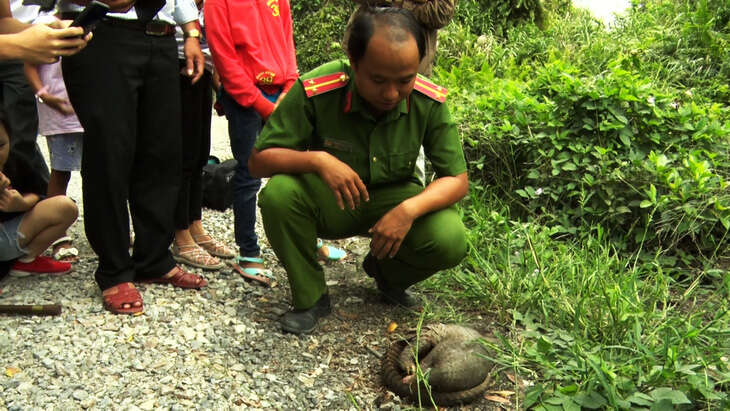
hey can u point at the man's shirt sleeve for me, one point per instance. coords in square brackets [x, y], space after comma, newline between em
[442, 144]
[292, 123]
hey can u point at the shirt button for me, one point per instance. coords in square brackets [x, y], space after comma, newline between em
[375, 159]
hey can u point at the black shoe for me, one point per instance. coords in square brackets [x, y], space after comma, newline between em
[389, 294]
[304, 321]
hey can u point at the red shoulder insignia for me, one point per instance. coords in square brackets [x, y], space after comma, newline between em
[429, 89]
[318, 85]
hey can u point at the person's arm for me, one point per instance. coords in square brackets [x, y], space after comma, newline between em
[11, 201]
[283, 147]
[442, 146]
[8, 24]
[291, 70]
[388, 233]
[186, 16]
[432, 14]
[59, 104]
[40, 44]
[236, 81]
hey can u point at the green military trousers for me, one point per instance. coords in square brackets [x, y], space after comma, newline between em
[297, 209]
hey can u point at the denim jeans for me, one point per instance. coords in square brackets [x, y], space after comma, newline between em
[244, 125]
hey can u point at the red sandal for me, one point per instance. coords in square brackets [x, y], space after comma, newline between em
[117, 296]
[179, 278]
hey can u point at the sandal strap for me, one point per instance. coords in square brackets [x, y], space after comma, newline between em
[64, 239]
[256, 260]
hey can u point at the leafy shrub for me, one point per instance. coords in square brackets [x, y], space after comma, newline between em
[499, 15]
[610, 149]
[318, 29]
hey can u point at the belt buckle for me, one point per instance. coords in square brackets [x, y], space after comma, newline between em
[156, 28]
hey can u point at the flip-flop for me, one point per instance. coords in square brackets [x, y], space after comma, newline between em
[260, 275]
[334, 253]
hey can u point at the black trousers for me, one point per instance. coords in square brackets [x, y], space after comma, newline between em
[125, 88]
[18, 102]
[197, 103]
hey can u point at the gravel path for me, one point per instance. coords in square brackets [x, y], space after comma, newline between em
[219, 348]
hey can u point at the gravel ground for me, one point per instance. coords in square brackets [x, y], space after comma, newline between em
[218, 348]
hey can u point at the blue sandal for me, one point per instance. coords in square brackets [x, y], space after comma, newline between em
[254, 271]
[334, 253]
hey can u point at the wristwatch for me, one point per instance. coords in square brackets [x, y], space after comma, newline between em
[194, 33]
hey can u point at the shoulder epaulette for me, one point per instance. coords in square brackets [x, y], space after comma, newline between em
[322, 84]
[429, 89]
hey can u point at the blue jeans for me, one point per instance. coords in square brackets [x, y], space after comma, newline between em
[244, 125]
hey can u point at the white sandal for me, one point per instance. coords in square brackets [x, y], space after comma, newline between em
[68, 254]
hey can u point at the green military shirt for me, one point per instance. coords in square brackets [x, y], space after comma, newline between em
[380, 150]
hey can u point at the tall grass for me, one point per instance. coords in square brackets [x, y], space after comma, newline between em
[590, 328]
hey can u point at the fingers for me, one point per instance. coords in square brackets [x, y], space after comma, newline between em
[199, 68]
[362, 189]
[338, 197]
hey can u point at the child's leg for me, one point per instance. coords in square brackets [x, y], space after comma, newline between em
[58, 183]
[65, 152]
[45, 223]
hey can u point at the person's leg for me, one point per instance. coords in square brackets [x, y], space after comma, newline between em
[65, 154]
[244, 125]
[157, 168]
[58, 183]
[19, 105]
[295, 210]
[113, 62]
[45, 223]
[435, 242]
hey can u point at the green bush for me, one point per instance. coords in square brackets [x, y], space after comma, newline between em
[318, 29]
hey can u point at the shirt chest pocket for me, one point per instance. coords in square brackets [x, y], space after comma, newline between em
[401, 165]
[344, 150]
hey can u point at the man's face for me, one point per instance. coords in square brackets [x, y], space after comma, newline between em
[386, 73]
[4, 146]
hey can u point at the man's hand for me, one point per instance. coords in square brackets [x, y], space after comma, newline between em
[388, 233]
[343, 180]
[12, 201]
[41, 44]
[194, 59]
[59, 104]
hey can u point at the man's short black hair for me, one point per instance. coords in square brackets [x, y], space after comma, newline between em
[363, 26]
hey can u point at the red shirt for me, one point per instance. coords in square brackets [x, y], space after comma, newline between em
[252, 44]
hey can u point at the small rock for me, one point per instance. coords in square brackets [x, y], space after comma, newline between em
[80, 395]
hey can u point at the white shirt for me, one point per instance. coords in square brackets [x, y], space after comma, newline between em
[26, 14]
[173, 12]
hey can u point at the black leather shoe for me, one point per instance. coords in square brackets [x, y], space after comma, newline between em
[304, 321]
[389, 294]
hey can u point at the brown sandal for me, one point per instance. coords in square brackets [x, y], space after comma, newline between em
[214, 247]
[194, 255]
[117, 296]
[179, 278]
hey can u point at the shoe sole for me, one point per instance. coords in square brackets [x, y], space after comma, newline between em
[185, 261]
[21, 273]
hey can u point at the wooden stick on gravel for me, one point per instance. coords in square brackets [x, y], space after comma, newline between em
[19, 309]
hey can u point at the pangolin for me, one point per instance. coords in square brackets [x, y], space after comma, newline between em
[456, 363]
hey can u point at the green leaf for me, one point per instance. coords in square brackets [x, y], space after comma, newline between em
[666, 393]
[639, 398]
[591, 400]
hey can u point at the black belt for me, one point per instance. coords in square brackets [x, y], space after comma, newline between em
[153, 28]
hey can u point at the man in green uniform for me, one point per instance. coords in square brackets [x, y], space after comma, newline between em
[341, 148]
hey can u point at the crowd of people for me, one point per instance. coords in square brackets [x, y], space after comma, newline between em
[129, 105]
